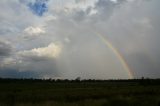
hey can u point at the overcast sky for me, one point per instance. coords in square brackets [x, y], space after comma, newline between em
[58, 38]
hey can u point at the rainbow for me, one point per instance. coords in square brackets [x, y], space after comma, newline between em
[117, 53]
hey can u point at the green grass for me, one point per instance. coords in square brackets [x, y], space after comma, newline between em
[23, 93]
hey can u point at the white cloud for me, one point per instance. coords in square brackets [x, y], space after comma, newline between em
[51, 51]
[114, 1]
[34, 30]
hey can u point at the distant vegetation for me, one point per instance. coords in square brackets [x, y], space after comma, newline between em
[90, 92]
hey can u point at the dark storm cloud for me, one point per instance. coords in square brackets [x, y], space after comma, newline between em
[10, 73]
[105, 8]
[80, 15]
[5, 48]
[144, 65]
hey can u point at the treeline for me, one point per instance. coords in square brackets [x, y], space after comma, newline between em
[142, 81]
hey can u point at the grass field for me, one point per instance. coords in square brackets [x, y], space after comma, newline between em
[79, 93]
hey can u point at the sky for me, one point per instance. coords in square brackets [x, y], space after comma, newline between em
[91, 39]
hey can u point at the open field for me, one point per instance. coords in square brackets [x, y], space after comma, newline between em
[79, 93]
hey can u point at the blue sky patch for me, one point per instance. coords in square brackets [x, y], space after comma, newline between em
[39, 7]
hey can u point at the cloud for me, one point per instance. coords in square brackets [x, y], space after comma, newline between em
[106, 8]
[80, 1]
[37, 63]
[34, 31]
[10, 73]
[132, 29]
[43, 53]
[132, 26]
[5, 48]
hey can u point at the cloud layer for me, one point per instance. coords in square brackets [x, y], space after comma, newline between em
[53, 38]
